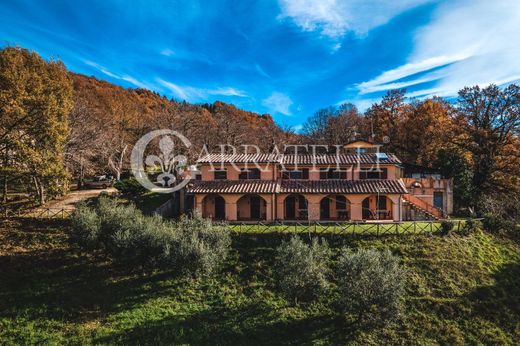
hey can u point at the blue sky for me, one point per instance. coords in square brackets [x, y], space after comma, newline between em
[283, 57]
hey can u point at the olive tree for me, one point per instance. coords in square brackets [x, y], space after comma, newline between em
[371, 284]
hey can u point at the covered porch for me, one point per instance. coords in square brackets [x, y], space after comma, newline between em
[234, 207]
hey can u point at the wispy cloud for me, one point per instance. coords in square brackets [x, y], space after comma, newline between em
[124, 77]
[134, 81]
[298, 128]
[194, 94]
[278, 103]
[467, 42]
[177, 90]
[261, 71]
[360, 103]
[387, 79]
[334, 18]
[101, 69]
[167, 52]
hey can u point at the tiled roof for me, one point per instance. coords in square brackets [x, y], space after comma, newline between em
[234, 186]
[301, 159]
[299, 186]
[342, 186]
[240, 158]
[342, 159]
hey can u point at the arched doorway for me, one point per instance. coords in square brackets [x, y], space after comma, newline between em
[251, 207]
[377, 207]
[334, 207]
[296, 207]
[214, 207]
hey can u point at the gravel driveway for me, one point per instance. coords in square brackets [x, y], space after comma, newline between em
[67, 202]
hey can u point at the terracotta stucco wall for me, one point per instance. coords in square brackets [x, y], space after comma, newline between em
[427, 188]
[394, 205]
[272, 172]
[266, 171]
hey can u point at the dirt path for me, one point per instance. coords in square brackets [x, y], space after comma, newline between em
[68, 201]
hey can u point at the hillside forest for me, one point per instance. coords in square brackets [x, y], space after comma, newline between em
[58, 127]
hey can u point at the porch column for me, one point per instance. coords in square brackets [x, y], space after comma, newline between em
[231, 206]
[280, 207]
[198, 203]
[268, 207]
[396, 207]
[313, 205]
[356, 208]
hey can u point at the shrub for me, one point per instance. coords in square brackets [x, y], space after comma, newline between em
[202, 246]
[496, 223]
[86, 226]
[130, 187]
[191, 246]
[471, 226]
[120, 228]
[371, 286]
[302, 269]
[446, 227]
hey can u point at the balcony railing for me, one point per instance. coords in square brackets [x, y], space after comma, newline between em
[425, 206]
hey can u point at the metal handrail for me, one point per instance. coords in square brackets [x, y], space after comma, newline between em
[436, 212]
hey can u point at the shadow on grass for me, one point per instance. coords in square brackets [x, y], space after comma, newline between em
[251, 324]
[59, 281]
[500, 303]
[43, 277]
[48, 279]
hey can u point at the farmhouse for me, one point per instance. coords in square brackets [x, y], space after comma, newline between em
[359, 183]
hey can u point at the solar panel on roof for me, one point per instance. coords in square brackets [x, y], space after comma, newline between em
[382, 156]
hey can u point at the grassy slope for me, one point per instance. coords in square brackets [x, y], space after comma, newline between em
[461, 290]
[149, 201]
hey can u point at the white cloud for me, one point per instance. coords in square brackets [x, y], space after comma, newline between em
[167, 52]
[333, 18]
[384, 81]
[226, 91]
[261, 71]
[134, 81]
[193, 94]
[177, 90]
[101, 69]
[361, 104]
[278, 103]
[468, 41]
[298, 128]
[127, 78]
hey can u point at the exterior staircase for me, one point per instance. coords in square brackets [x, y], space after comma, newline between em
[423, 207]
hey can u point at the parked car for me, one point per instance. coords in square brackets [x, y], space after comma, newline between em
[100, 181]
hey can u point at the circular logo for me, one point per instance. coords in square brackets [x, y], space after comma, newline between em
[167, 168]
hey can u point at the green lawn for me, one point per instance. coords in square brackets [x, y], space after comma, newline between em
[460, 290]
[407, 227]
[149, 201]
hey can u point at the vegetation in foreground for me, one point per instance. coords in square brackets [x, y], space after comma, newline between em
[191, 246]
[460, 289]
